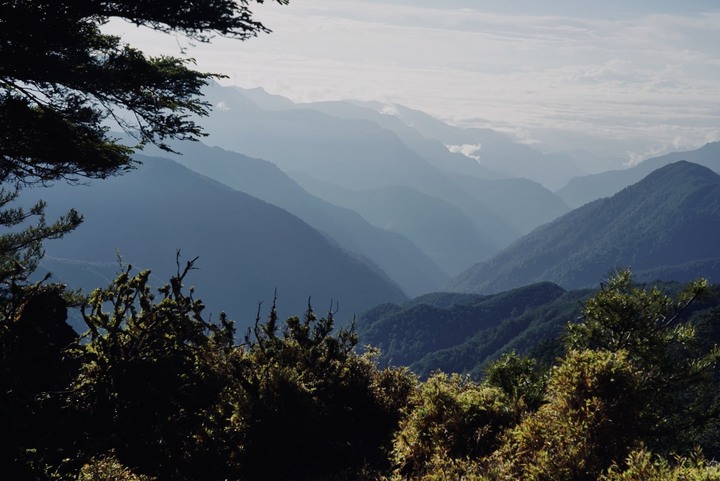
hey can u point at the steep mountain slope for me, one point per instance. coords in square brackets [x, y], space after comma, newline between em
[354, 153]
[399, 258]
[463, 333]
[534, 331]
[246, 247]
[342, 145]
[582, 190]
[522, 203]
[670, 218]
[431, 149]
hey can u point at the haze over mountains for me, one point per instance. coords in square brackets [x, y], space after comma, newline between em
[400, 259]
[362, 150]
[367, 203]
[247, 248]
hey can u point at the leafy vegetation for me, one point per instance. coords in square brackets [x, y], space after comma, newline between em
[153, 390]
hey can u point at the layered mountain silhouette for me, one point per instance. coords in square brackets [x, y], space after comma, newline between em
[340, 145]
[247, 248]
[442, 230]
[494, 150]
[398, 257]
[463, 333]
[581, 190]
[666, 225]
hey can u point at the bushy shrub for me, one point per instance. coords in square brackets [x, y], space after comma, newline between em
[521, 379]
[590, 421]
[450, 418]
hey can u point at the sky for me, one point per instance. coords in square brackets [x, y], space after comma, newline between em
[620, 79]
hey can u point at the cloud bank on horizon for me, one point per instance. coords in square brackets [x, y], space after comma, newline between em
[623, 79]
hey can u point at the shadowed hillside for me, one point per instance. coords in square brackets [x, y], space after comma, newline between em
[246, 247]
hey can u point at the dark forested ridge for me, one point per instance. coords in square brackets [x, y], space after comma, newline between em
[464, 333]
[407, 333]
[668, 222]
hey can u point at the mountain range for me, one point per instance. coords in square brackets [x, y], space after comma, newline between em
[463, 333]
[365, 203]
[397, 256]
[407, 333]
[668, 223]
[343, 147]
[584, 189]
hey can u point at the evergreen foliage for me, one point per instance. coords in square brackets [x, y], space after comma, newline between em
[61, 78]
[154, 389]
[21, 245]
[635, 377]
[450, 418]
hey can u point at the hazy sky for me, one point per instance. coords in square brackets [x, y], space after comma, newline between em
[631, 78]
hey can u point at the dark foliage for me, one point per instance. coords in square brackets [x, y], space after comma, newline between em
[61, 78]
[155, 387]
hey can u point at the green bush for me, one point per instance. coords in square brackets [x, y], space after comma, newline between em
[450, 418]
[590, 421]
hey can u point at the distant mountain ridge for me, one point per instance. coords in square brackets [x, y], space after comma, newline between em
[463, 333]
[581, 190]
[669, 219]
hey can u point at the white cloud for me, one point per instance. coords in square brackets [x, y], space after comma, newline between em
[390, 109]
[468, 150]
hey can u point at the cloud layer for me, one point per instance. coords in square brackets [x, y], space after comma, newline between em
[619, 80]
